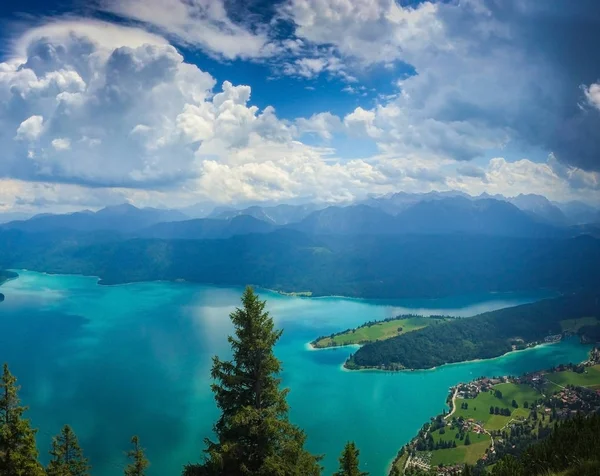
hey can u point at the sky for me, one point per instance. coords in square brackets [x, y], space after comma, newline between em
[169, 103]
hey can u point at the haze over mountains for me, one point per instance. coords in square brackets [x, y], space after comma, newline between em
[125, 218]
[429, 213]
[401, 245]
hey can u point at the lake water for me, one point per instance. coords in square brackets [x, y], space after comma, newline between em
[113, 361]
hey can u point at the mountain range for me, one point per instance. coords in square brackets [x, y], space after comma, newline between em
[418, 245]
[124, 218]
[400, 213]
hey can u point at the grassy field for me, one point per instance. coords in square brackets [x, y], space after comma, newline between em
[589, 379]
[378, 331]
[479, 407]
[461, 454]
[401, 462]
[479, 410]
[573, 325]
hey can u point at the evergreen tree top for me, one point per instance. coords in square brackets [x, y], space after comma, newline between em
[254, 435]
[67, 455]
[139, 463]
[18, 451]
[349, 464]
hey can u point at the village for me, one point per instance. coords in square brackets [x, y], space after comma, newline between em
[494, 416]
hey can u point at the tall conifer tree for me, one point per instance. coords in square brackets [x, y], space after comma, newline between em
[139, 463]
[18, 453]
[67, 455]
[254, 435]
[349, 465]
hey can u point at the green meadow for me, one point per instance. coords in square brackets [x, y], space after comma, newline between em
[590, 378]
[462, 453]
[377, 331]
[479, 407]
[479, 410]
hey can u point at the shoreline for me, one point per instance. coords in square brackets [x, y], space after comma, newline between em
[311, 348]
[384, 301]
[455, 387]
[511, 352]
[7, 280]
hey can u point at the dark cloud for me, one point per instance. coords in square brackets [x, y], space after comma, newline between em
[557, 41]
[471, 170]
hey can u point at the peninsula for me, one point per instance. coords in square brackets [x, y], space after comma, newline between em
[484, 336]
[378, 330]
[6, 276]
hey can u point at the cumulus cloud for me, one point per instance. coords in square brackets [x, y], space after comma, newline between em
[62, 143]
[117, 111]
[96, 114]
[30, 128]
[205, 24]
[323, 124]
[592, 93]
[486, 72]
[551, 178]
[368, 31]
[77, 112]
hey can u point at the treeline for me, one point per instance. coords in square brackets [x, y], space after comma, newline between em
[18, 451]
[484, 336]
[426, 266]
[573, 446]
[254, 436]
[569, 448]
[5, 275]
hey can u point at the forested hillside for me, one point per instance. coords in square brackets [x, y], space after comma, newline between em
[285, 260]
[480, 337]
[5, 275]
[573, 449]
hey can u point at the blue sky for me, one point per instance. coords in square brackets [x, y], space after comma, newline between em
[169, 103]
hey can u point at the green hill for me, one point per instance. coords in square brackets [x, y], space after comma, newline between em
[487, 335]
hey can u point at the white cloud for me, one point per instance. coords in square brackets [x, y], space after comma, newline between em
[92, 96]
[323, 124]
[362, 121]
[136, 122]
[39, 197]
[62, 143]
[30, 128]
[485, 73]
[550, 178]
[201, 23]
[592, 93]
[142, 121]
[101, 34]
[368, 31]
[306, 67]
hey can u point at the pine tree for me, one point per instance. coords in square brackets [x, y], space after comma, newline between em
[254, 435]
[18, 453]
[349, 465]
[139, 463]
[67, 455]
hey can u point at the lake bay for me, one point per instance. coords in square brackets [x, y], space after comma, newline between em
[114, 361]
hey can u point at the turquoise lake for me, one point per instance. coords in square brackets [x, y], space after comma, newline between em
[114, 361]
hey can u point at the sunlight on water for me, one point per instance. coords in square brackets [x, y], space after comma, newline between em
[114, 361]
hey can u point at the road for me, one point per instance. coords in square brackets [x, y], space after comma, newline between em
[453, 404]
